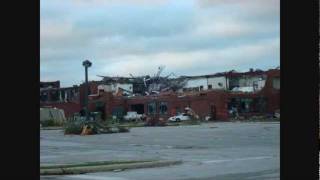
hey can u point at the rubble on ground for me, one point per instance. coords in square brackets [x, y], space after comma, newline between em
[82, 127]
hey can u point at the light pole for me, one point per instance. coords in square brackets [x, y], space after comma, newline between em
[86, 65]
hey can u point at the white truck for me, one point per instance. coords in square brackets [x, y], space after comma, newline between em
[132, 116]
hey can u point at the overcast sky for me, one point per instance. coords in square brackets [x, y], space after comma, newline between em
[188, 37]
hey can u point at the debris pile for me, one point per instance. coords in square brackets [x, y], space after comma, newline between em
[152, 121]
[144, 85]
[82, 127]
[191, 112]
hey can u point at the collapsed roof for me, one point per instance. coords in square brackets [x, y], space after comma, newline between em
[150, 84]
[156, 84]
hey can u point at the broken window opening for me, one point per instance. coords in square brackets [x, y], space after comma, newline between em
[243, 105]
[63, 94]
[276, 83]
[100, 107]
[139, 108]
[44, 97]
[209, 86]
[54, 96]
[246, 105]
[178, 110]
[213, 111]
[152, 108]
[233, 82]
[163, 108]
[118, 112]
[101, 91]
[259, 105]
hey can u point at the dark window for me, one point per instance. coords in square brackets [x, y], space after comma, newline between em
[201, 88]
[44, 97]
[209, 86]
[178, 110]
[243, 105]
[163, 108]
[67, 96]
[62, 95]
[152, 108]
[99, 104]
[139, 108]
[276, 83]
[54, 95]
[101, 91]
[246, 105]
[118, 112]
[260, 105]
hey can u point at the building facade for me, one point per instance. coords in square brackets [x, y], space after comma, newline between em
[252, 93]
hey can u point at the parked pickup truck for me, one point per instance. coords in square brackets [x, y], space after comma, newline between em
[132, 116]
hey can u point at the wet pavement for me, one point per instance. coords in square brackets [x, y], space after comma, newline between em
[226, 150]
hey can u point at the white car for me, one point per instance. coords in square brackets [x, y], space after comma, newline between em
[132, 116]
[180, 117]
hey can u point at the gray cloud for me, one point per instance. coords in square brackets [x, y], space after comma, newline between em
[189, 37]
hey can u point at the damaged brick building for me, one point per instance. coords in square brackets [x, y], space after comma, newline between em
[252, 93]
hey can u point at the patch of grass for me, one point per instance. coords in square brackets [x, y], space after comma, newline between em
[190, 122]
[132, 124]
[108, 167]
[92, 164]
[173, 124]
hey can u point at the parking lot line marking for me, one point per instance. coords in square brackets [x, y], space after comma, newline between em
[239, 159]
[91, 177]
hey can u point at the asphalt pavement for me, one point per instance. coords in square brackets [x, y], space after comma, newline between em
[224, 150]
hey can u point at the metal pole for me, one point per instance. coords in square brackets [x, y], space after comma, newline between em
[86, 94]
[86, 64]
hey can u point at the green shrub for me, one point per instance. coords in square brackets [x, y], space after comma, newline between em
[74, 127]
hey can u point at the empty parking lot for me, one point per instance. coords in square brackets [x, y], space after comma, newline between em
[226, 150]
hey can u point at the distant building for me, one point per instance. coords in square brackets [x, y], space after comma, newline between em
[252, 92]
[48, 85]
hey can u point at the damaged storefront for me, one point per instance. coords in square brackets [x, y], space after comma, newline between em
[247, 106]
[211, 97]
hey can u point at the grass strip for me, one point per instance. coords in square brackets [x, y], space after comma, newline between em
[102, 168]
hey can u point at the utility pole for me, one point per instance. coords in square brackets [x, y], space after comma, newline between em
[86, 65]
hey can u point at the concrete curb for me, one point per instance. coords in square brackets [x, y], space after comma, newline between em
[100, 168]
[96, 163]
